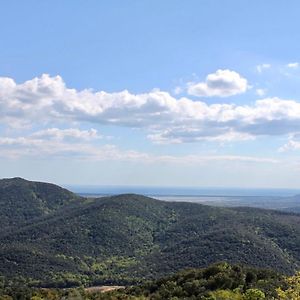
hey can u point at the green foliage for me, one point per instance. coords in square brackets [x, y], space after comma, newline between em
[22, 201]
[225, 295]
[254, 294]
[291, 289]
[218, 282]
[53, 238]
[209, 283]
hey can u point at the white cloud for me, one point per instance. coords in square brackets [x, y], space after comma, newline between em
[188, 135]
[39, 145]
[222, 83]
[293, 143]
[178, 90]
[70, 133]
[47, 101]
[293, 65]
[51, 141]
[290, 145]
[260, 68]
[261, 92]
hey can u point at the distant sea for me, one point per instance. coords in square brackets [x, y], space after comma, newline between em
[186, 192]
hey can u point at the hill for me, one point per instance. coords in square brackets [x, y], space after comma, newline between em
[124, 239]
[22, 201]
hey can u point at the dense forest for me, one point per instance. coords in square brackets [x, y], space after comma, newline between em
[217, 282]
[52, 238]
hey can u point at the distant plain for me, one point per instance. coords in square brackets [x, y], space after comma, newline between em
[278, 199]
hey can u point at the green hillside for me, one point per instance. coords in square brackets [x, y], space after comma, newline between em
[22, 201]
[68, 240]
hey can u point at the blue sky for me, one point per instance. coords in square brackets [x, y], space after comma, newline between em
[176, 93]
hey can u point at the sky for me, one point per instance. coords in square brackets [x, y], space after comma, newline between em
[153, 93]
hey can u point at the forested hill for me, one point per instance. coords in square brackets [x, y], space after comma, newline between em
[55, 238]
[22, 200]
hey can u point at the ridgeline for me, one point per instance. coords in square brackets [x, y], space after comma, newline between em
[51, 237]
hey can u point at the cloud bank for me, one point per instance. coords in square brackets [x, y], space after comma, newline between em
[47, 100]
[56, 143]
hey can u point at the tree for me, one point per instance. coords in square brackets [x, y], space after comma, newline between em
[293, 289]
[254, 294]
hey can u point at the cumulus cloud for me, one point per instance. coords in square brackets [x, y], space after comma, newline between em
[47, 100]
[293, 65]
[260, 68]
[222, 83]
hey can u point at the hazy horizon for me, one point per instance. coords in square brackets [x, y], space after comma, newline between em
[180, 190]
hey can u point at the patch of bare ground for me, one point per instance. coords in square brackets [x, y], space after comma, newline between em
[103, 288]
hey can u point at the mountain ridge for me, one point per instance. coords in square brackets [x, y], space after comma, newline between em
[128, 238]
